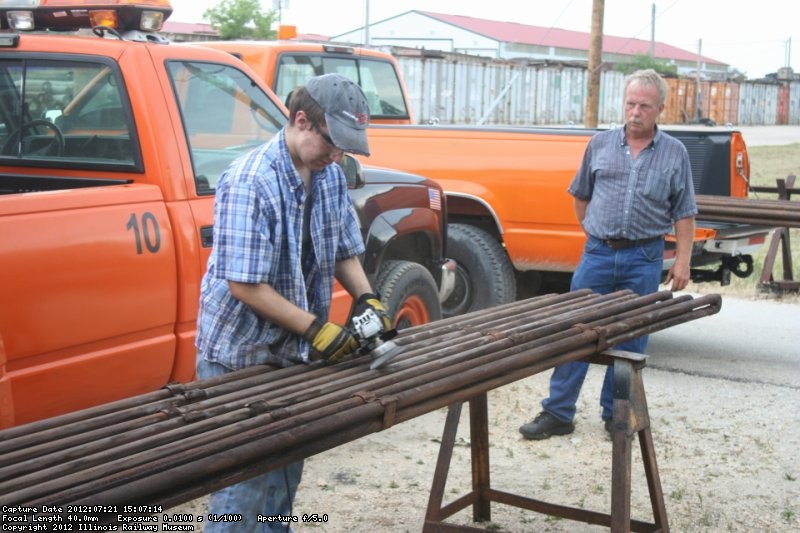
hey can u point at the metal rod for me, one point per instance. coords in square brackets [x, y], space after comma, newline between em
[224, 431]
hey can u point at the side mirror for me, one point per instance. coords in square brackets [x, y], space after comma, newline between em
[352, 171]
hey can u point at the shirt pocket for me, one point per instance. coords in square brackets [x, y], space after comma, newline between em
[658, 184]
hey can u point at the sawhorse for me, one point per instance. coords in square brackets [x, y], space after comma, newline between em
[780, 239]
[630, 418]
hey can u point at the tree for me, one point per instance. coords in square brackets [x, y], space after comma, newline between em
[238, 19]
[644, 62]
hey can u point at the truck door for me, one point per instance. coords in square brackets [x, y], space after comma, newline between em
[241, 117]
[87, 262]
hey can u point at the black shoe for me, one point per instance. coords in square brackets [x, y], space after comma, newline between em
[545, 426]
[607, 425]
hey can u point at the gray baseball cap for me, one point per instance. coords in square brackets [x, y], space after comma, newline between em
[346, 111]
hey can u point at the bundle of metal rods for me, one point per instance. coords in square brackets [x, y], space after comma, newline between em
[171, 446]
[775, 213]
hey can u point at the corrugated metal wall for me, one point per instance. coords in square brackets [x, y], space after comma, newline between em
[460, 89]
[794, 103]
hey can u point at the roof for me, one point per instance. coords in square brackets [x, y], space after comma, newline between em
[188, 28]
[514, 32]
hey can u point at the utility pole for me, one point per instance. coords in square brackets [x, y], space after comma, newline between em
[366, 22]
[788, 56]
[698, 98]
[595, 60]
[653, 32]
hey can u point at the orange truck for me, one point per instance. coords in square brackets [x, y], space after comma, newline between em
[512, 229]
[111, 143]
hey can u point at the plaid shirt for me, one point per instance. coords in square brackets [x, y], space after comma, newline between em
[634, 198]
[258, 214]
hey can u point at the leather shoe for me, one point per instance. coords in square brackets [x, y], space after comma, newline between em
[545, 426]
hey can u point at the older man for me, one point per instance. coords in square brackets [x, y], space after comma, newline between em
[634, 185]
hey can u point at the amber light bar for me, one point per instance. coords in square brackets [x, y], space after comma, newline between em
[121, 15]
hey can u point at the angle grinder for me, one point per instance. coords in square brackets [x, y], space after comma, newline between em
[372, 340]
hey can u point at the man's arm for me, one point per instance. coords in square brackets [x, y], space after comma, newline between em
[679, 274]
[268, 303]
[580, 210]
[351, 275]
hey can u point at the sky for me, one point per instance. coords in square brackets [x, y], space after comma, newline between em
[754, 36]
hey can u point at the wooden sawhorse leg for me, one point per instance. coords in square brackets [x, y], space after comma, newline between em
[630, 418]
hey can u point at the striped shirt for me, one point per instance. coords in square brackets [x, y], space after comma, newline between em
[258, 236]
[634, 198]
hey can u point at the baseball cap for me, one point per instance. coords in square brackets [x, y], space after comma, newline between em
[346, 111]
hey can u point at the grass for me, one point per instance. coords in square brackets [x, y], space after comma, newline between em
[767, 165]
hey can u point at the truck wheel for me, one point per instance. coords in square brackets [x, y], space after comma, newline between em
[409, 293]
[484, 277]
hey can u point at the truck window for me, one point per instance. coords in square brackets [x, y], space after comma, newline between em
[377, 79]
[225, 114]
[75, 112]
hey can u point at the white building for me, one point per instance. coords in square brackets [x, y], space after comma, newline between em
[511, 40]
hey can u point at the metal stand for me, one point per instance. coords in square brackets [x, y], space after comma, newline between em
[630, 418]
[780, 239]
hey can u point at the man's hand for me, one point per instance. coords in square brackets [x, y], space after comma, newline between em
[332, 341]
[369, 300]
[678, 275]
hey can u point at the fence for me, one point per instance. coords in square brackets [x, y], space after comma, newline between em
[451, 88]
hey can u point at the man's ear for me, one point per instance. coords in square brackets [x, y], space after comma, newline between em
[301, 120]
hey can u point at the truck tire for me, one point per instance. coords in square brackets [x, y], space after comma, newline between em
[409, 293]
[484, 276]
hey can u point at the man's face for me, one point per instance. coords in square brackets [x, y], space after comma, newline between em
[641, 109]
[316, 149]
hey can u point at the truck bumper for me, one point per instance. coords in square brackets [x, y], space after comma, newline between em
[729, 249]
[447, 279]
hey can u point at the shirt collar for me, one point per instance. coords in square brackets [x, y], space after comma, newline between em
[290, 174]
[623, 140]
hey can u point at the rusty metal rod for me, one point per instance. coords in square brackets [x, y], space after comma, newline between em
[156, 407]
[709, 199]
[783, 213]
[434, 389]
[102, 445]
[589, 350]
[97, 442]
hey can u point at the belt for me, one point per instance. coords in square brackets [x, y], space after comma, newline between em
[621, 244]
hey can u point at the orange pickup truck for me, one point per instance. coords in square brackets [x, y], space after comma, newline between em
[511, 221]
[110, 148]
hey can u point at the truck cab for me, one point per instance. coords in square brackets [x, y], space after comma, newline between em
[111, 144]
[294, 62]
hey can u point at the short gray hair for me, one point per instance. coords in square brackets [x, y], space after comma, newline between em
[649, 78]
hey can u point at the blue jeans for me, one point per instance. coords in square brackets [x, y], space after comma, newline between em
[269, 494]
[604, 270]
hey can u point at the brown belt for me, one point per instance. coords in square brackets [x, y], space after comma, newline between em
[621, 244]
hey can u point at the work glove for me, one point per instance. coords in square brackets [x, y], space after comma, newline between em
[330, 340]
[372, 301]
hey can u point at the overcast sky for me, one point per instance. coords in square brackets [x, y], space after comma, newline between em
[753, 36]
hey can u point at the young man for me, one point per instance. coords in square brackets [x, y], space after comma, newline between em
[633, 185]
[284, 227]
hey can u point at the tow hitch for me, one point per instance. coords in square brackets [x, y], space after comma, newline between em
[739, 265]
